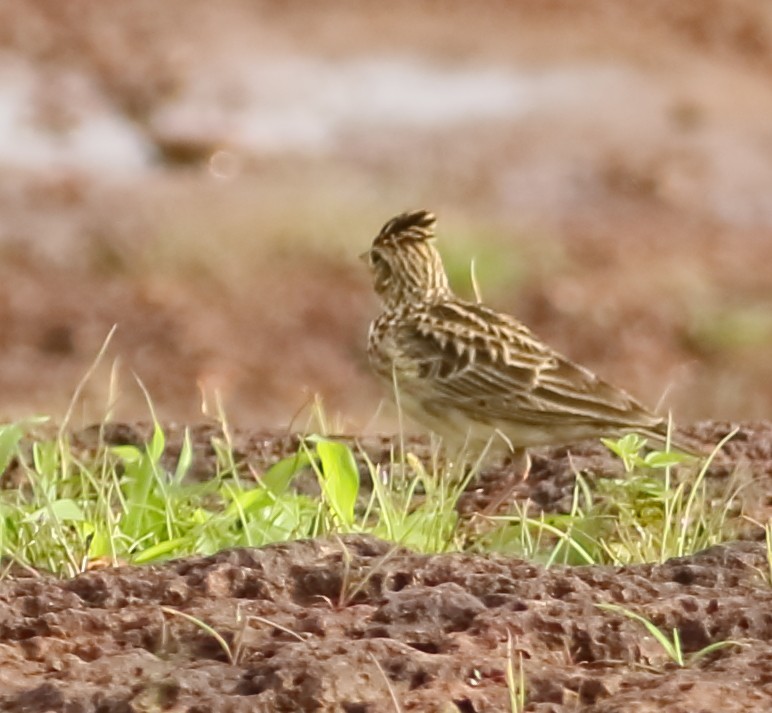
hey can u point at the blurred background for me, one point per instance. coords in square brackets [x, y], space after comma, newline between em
[204, 176]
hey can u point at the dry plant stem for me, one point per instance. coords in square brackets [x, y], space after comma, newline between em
[86, 378]
[389, 687]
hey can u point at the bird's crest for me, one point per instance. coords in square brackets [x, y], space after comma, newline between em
[414, 225]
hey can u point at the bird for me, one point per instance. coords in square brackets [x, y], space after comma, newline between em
[476, 376]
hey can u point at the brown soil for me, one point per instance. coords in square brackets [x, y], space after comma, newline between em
[629, 223]
[353, 624]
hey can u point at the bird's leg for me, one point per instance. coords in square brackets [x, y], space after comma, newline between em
[521, 462]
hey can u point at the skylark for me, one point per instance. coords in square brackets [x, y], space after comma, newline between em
[470, 373]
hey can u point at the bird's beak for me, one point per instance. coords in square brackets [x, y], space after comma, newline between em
[365, 257]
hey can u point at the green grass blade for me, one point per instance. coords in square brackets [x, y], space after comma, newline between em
[672, 648]
[709, 649]
[186, 458]
[159, 550]
[10, 435]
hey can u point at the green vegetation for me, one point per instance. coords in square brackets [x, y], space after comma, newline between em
[733, 327]
[670, 644]
[526, 257]
[61, 510]
[644, 517]
[63, 507]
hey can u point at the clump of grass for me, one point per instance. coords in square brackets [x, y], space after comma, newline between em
[644, 517]
[516, 684]
[133, 504]
[121, 503]
[70, 510]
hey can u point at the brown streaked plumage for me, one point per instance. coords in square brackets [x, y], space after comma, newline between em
[468, 372]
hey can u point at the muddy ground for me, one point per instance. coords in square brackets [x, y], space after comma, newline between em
[203, 175]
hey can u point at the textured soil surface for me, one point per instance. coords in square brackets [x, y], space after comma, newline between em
[355, 624]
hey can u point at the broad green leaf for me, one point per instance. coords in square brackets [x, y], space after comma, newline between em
[246, 500]
[278, 477]
[139, 478]
[64, 510]
[271, 486]
[186, 458]
[665, 459]
[155, 449]
[100, 543]
[128, 454]
[339, 479]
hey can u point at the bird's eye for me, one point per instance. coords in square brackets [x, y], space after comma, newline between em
[381, 271]
[376, 261]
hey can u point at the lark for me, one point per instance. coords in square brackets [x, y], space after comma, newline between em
[474, 375]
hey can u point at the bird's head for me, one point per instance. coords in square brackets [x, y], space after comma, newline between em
[406, 266]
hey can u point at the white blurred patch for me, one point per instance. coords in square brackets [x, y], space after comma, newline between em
[59, 120]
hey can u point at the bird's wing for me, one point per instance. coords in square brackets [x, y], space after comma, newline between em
[472, 358]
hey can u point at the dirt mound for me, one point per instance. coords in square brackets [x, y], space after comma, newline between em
[357, 625]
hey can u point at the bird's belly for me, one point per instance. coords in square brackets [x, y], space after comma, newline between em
[457, 428]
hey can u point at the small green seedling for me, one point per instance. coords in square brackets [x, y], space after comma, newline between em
[232, 659]
[671, 646]
[338, 476]
[629, 448]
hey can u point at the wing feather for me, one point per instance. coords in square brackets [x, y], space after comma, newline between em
[480, 361]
